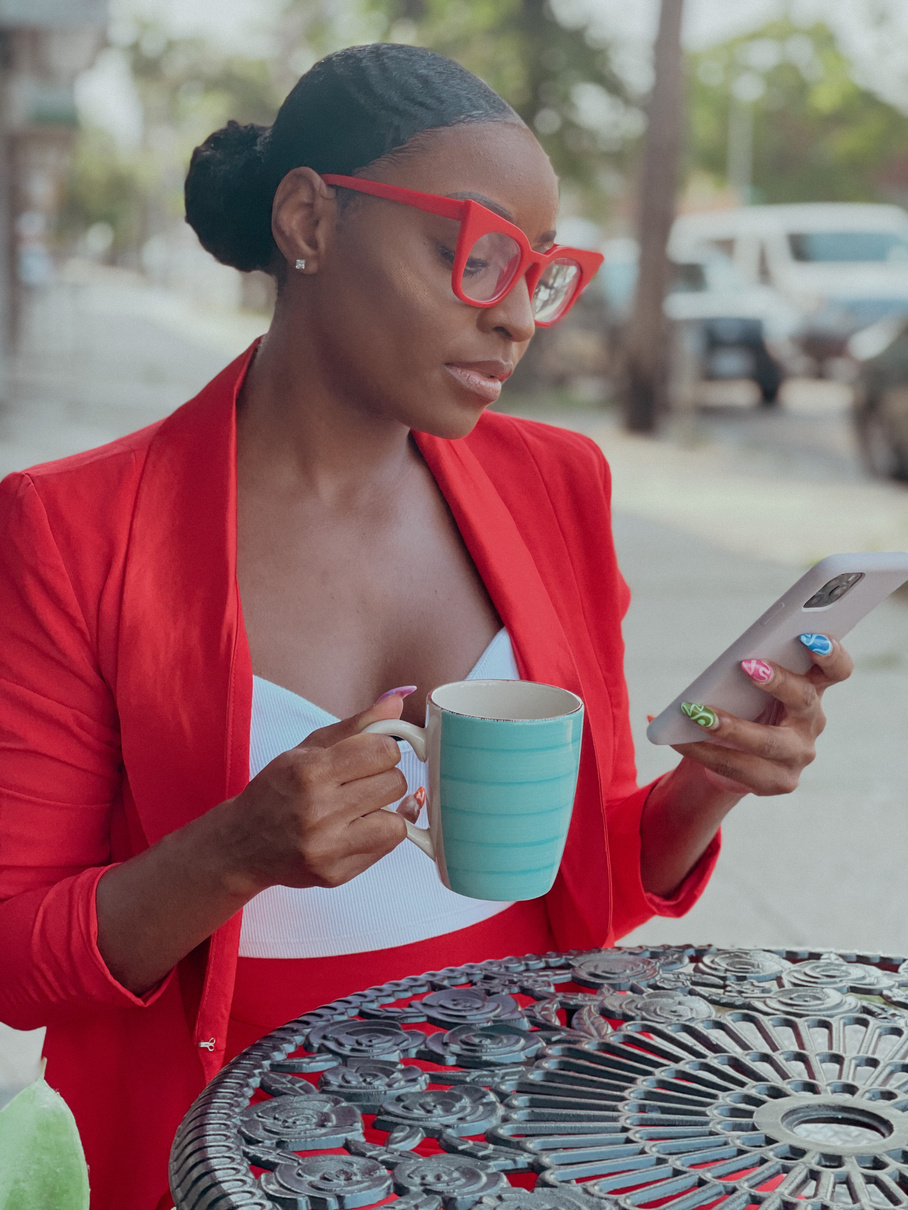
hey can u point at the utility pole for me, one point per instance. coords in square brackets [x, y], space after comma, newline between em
[645, 362]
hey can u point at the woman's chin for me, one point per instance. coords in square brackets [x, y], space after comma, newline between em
[455, 413]
[451, 424]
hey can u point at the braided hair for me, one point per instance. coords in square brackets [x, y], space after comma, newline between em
[351, 108]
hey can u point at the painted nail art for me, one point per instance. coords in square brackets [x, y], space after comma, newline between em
[817, 643]
[402, 691]
[701, 715]
[420, 796]
[758, 670]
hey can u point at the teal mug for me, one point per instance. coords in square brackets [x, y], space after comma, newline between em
[503, 758]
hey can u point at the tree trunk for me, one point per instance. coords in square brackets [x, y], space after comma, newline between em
[645, 362]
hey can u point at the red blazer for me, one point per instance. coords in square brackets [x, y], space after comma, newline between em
[125, 698]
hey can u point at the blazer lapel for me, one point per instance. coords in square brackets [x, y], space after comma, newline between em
[184, 683]
[579, 904]
[503, 561]
[184, 686]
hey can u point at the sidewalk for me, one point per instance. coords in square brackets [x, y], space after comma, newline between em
[707, 538]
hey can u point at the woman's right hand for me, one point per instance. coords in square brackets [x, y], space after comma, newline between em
[313, 816]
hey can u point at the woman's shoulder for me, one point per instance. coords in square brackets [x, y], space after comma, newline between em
[97, 472]
[108, 478]
[499, 439]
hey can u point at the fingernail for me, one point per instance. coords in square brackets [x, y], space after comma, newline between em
[701, 715]
[420, 796]
[758, 670]
[817, 643]
[402, 691]
[650, 717]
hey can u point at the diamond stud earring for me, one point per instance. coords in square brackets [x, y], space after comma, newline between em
[300, 264]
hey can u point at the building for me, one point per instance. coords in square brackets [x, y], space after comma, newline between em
[44, 45]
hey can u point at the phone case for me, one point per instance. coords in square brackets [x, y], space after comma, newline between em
[774, 636]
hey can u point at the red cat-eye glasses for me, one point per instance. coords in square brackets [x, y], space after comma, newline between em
[492, 255]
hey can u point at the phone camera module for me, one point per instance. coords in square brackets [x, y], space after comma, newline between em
[833, 590]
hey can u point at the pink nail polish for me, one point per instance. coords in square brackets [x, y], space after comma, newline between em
[758, 670]
[402, 691]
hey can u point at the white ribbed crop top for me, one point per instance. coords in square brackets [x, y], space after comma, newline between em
[398, 900]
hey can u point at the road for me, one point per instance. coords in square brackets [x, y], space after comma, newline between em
[713, 521]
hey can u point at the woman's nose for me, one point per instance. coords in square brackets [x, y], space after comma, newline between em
[513, 316]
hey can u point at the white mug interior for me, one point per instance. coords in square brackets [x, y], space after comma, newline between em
[505, 701]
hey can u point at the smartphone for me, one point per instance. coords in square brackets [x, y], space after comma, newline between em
[828, 599]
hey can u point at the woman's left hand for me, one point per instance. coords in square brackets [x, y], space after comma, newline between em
[767, 757]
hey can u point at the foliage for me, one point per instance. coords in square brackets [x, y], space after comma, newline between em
[544, 59]
[818, 135]
[105, 184]
[186, 89]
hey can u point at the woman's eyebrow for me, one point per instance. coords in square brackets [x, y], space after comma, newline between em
[466, 195]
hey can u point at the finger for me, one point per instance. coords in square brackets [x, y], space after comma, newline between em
[361, 756]
[367, 840]
[784, 745]
[368, 794]
[335, 812]
[832, 663]
[314, 776]
[389, 705]
[411, 806]
[799, 694]
[744, 771]
[376, 834]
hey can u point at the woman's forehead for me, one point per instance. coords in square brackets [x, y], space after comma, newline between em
[499, 164]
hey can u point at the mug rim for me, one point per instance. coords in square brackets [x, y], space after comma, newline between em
[578, 702]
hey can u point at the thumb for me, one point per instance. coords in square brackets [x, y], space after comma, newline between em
[389, 705]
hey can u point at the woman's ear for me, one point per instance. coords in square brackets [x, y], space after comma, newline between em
[302, 218]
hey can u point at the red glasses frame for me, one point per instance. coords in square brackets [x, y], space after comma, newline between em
[476, 221]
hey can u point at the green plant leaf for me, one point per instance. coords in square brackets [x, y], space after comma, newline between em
[42, 1164]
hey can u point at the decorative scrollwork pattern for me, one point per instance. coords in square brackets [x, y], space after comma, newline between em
[683, 1076]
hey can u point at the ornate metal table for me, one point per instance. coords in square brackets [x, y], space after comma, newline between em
[683, 1077]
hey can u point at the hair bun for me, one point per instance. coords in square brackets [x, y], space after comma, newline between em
[228, 198]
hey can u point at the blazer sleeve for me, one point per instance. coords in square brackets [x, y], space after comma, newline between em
[60, 778]
[632, 904]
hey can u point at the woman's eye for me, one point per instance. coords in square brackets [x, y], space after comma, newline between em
[446, 254]
[475, 265]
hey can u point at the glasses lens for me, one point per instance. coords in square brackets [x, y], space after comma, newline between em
[490, 268]
[555, 289]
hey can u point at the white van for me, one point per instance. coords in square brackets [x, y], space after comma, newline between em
[844, 265]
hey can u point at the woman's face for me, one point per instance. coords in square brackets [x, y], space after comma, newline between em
[391, 335]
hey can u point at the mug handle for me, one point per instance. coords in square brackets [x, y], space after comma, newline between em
[416, 737]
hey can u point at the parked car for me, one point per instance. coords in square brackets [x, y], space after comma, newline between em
[843, 265]
[727, 327]
[743, 329]
[880, 401]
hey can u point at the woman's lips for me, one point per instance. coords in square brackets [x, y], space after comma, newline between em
[477, 383]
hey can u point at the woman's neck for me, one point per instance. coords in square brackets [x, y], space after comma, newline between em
[298, 429]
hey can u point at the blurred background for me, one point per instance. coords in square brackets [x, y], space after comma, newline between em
[742, 357]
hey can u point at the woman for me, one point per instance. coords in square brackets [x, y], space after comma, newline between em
[343, 480]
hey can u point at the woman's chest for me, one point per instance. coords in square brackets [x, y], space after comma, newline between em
[340, 606]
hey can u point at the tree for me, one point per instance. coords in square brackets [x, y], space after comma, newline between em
[644, 362]
[817, 134]
[187, 89]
